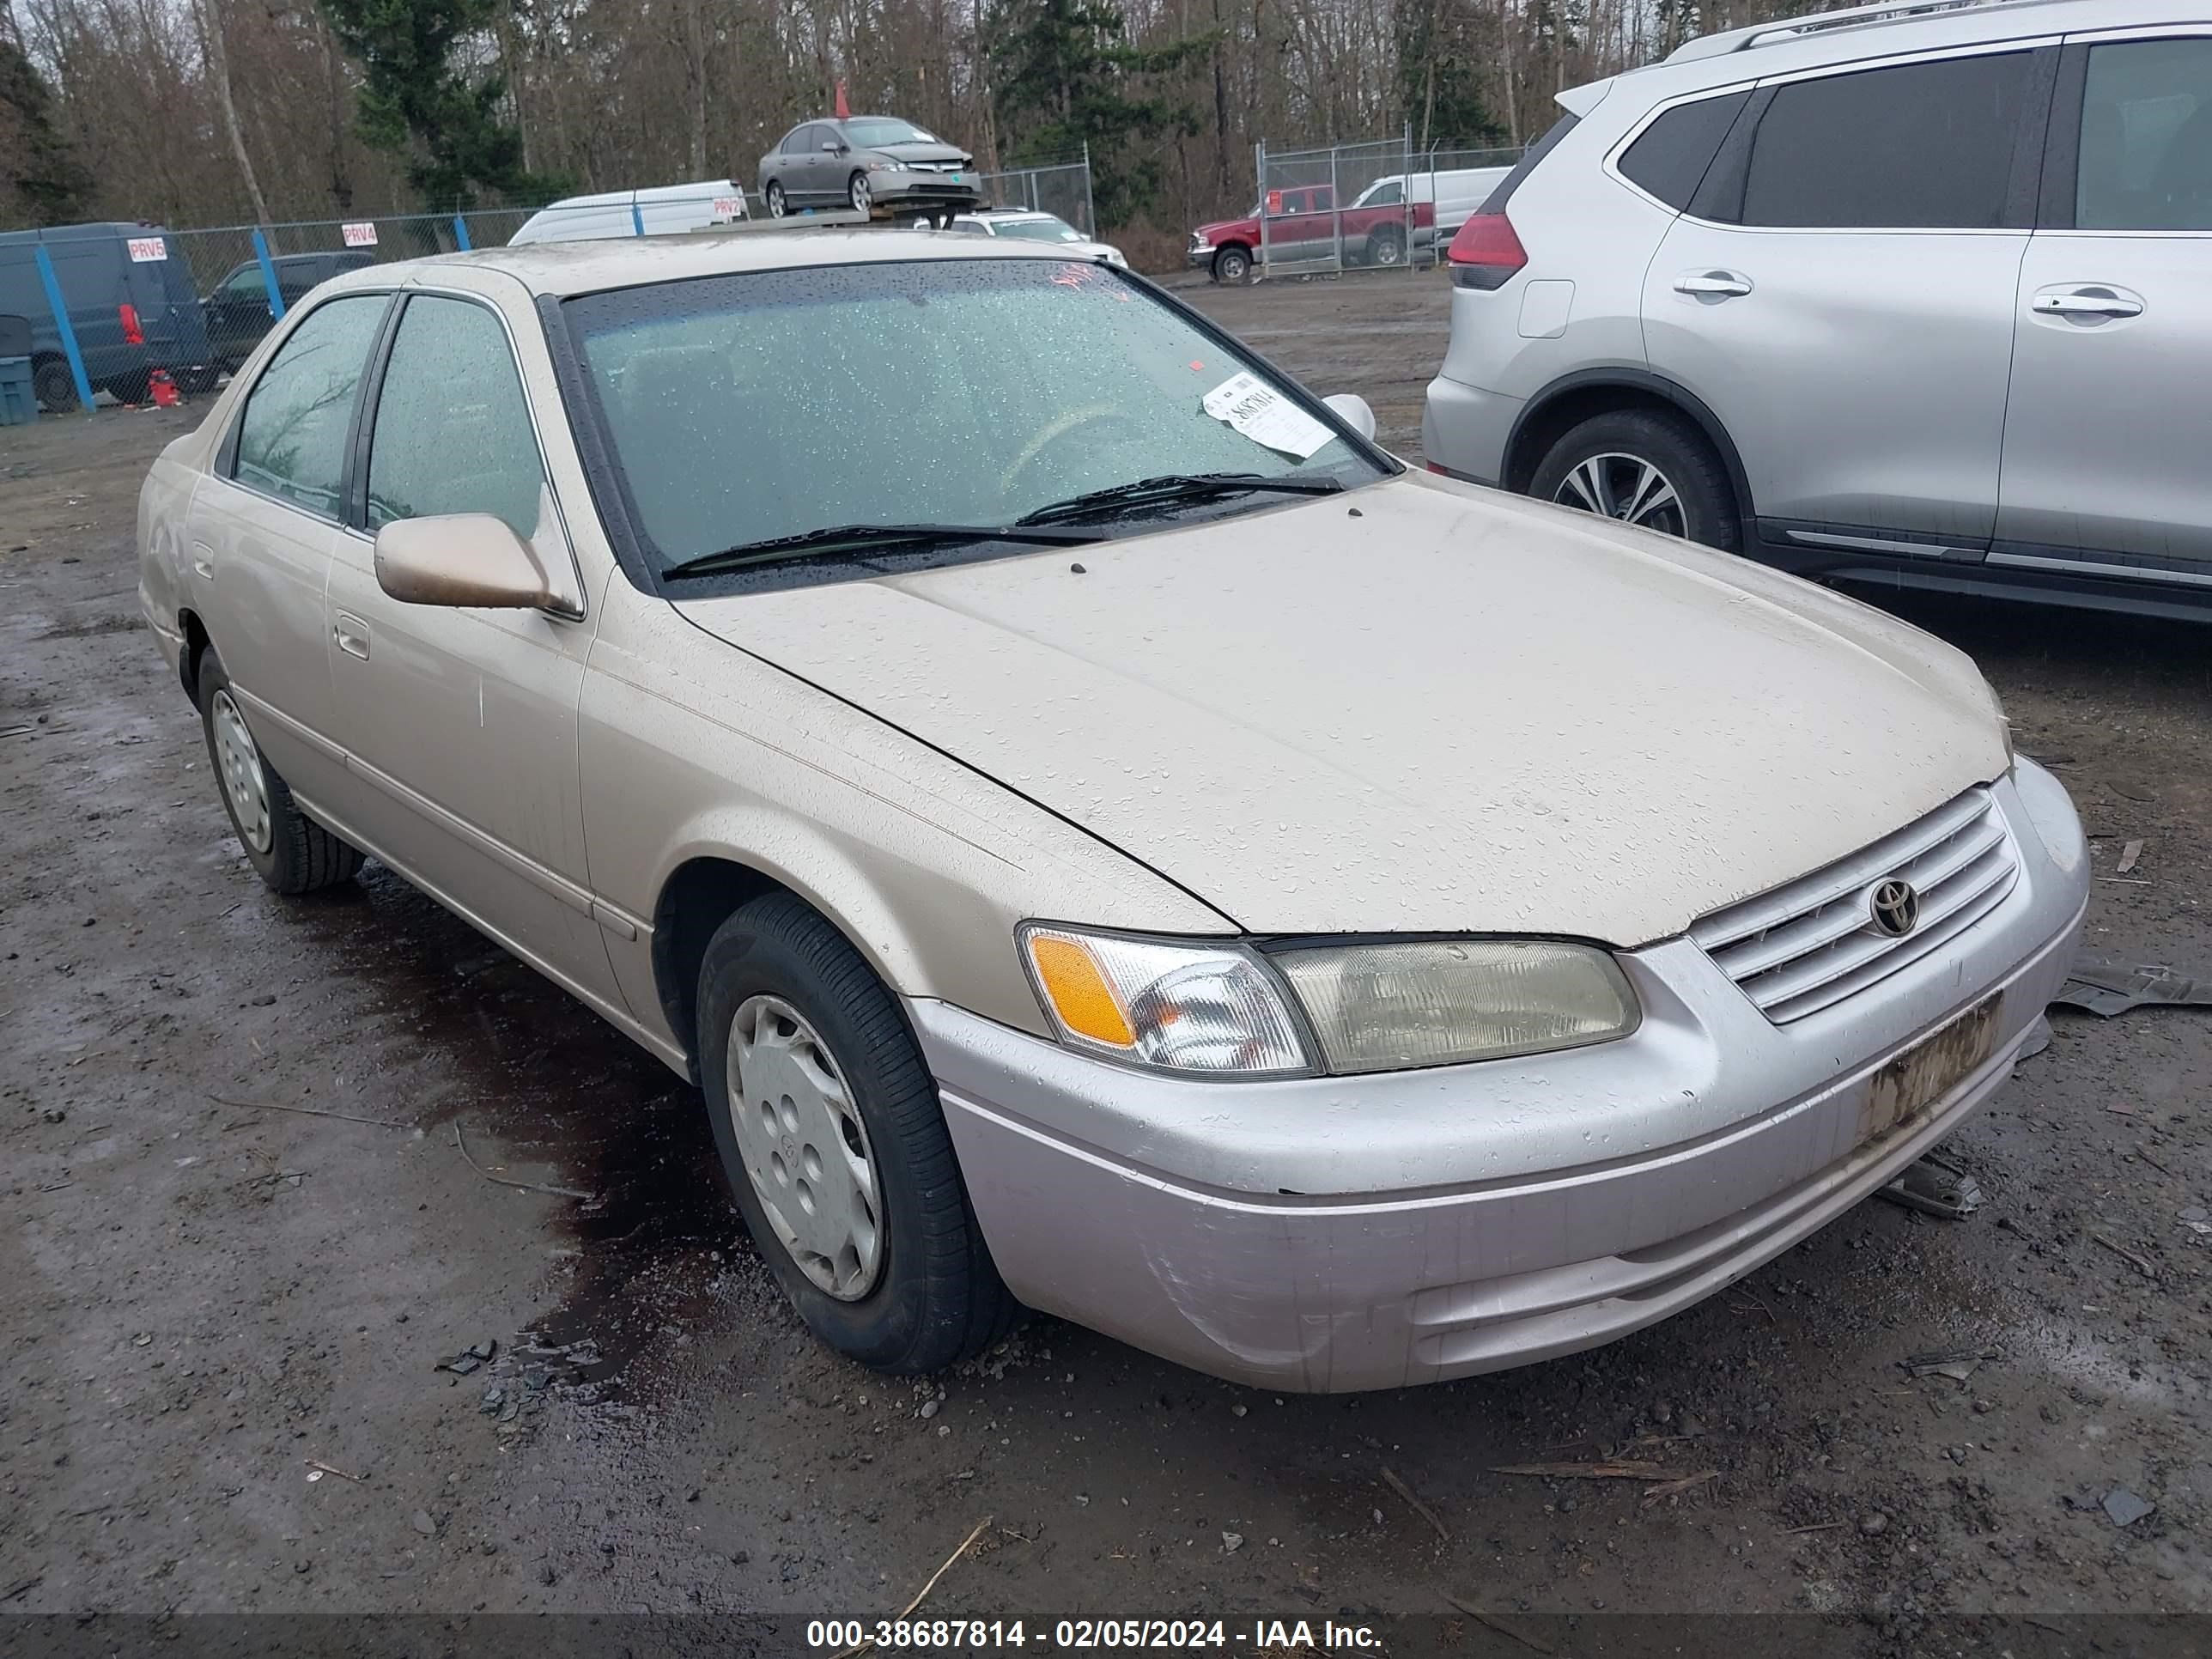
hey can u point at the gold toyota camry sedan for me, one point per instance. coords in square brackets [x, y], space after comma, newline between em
[1102, 834]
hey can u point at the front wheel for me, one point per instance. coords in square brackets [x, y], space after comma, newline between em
[856, 192]
[836, 1148]
[1231, 264]
[1642, 467]
[776, 204]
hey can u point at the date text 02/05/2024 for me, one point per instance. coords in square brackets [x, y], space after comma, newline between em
[983, 1635]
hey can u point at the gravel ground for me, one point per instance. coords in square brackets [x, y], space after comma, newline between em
[220, 1314]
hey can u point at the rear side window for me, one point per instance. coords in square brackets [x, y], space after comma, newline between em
[1922, 146]
[1670, 159]
[452, 432]
[1527, 164]
[2146, 155]
[292, 437]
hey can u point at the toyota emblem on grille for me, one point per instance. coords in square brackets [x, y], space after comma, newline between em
[1896, 907]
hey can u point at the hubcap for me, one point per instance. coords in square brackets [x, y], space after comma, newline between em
[1623, 487]
[805, 1147]
[1386, 251]
[243, 782]
[860, 194]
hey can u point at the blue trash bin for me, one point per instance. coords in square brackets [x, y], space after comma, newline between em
[19, 401]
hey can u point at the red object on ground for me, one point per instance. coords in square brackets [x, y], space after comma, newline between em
[844, 110]
[165, 389]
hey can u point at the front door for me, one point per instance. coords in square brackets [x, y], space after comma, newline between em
[2104, 463]
[1840, 292]
[460, 725]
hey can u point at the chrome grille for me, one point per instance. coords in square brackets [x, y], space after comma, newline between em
[1813, 942]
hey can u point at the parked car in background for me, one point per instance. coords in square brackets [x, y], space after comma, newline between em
[877, 165]
[130, 304]
[1302, 223]
[659, 210]
[237, 312]
[1899, 296]
[1024, 225]
[1424, 932]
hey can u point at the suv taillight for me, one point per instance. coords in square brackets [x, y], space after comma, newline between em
[1486, 252]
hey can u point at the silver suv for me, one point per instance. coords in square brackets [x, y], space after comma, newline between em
[1915, 294]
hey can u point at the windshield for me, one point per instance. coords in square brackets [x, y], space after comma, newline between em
[1039, 230]
[957, 391]
[876, 132]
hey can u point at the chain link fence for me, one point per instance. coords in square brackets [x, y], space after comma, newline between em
[134, 312]
[1376, 205]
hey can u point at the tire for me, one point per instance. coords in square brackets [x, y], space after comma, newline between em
[778, 981]
[775, 202]
[54, 386]
[857, 192]
[288, 850]
[1232, 264]
[1605, 455]
[1387, 247]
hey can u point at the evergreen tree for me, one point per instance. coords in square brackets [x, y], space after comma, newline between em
[1067, 76]
[40, 178]
[1440, 71]
[418, 99]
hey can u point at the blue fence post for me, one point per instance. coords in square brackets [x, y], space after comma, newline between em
[636, 218]
[461, 233]
[53, 288]
[269, 277]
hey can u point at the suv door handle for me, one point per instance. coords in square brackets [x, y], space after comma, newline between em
[1713, 284]
[202, 562]
[2086, 302]
[350, 635]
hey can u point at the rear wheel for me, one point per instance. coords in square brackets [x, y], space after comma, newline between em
[288, 849]
[1231, 264]
[1645, 468]
[776, 204]
[54, 386]
[836, 1148]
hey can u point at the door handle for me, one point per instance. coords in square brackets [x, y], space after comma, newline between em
[2085, 302]
[1713, 284]
[204, 563]
[350, 636]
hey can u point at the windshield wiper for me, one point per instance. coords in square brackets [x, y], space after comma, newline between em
[1176, 487]
[837, 538]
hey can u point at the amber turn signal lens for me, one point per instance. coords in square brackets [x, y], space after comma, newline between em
[1080, 996]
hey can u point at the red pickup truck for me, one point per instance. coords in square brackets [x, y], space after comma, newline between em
[1303, 223]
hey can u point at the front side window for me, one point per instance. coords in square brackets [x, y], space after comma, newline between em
[1389, 195]
[743, 408]
[244, 282]
[2147, 137]
[453, 431]
[1922, 146]
[292, 436]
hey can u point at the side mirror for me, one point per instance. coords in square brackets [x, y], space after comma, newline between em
[470, 560]
[830, 146]
[1351, 409]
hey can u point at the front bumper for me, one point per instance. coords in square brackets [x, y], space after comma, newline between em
[898, 188]
[1199, 258]
[1334, 1234]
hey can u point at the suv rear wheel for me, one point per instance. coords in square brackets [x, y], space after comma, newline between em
[1644, 468]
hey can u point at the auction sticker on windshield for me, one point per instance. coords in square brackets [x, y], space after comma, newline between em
[1265, 415]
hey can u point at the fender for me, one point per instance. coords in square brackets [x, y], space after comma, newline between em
[1519, 467]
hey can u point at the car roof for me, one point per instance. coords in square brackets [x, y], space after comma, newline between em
[590, 266]
[1865, 32]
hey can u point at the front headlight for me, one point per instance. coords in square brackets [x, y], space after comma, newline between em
[1226, 1009]
[1439, 1002]
[1177, 1006]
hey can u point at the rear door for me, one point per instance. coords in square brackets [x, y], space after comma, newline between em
[261, 532]
[1839, 292]
[2103, 446]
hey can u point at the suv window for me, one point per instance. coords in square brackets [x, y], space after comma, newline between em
[1670, 159]
[2146, 156]
[1919, 146]
[292, 437]
[453, 431]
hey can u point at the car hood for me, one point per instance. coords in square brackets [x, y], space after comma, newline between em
[921, 152]
[1416, 707]
[1216, 229]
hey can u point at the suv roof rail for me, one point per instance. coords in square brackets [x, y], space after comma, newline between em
[1771, 34]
